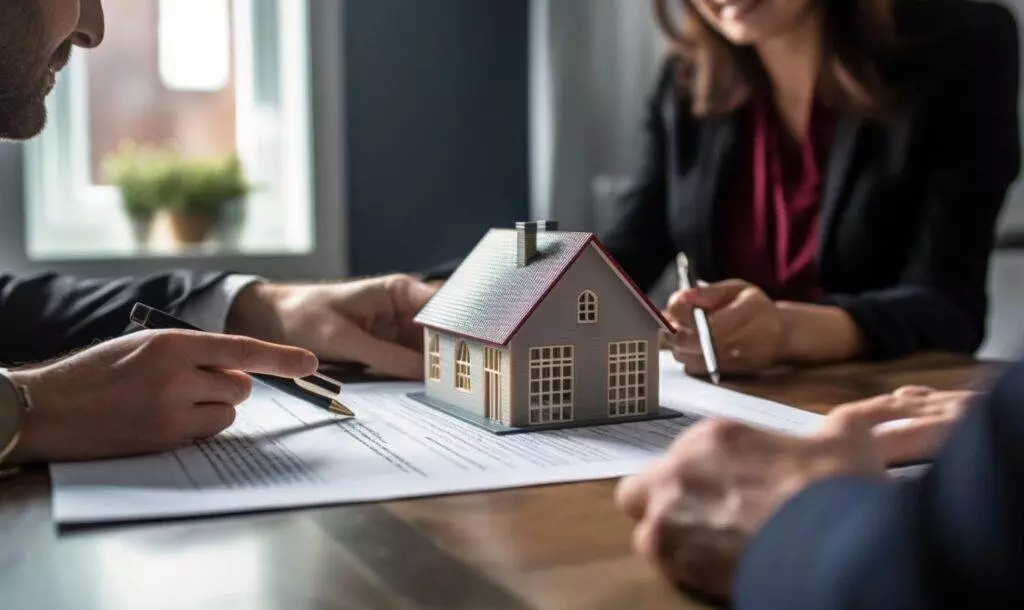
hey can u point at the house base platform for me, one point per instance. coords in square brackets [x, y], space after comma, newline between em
[501, 429]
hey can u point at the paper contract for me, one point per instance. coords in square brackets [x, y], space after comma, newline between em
[283, 453]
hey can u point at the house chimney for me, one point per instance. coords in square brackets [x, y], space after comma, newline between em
[526, 243]
[547, 225]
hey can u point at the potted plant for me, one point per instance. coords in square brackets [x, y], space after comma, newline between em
[212, 199]
[147, 179]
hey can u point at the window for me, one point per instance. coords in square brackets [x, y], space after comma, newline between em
[492, 382]
[627, 378]
[207, 78]
[435, 357]
[463, 377]
[551, 384]
[587, 310]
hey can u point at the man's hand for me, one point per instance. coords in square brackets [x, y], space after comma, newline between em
[366, 321]
[920, 420]
[147, 392]
[698, 507]
[747, 326]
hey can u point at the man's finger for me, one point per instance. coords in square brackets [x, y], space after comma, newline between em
[222, 387]
[385, 357]
[631, 495]
[209, 420]
[234, 352]
[916, 440]
[410, 294]
[915, 391]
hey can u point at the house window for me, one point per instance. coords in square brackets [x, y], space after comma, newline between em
[463, 379]
[551, 384]
[627, 378]
[435, 357]
[492, 382]
[587, 309]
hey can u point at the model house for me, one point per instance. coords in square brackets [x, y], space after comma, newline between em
[540, 328]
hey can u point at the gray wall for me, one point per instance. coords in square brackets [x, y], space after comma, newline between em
[593, 63]
[437, 127]
[620, 318]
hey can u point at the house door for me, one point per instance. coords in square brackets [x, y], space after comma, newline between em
[492, 384]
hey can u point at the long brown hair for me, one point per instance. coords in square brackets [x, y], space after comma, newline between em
[719, 76]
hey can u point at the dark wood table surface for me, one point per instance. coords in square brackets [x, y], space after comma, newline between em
[549, 547]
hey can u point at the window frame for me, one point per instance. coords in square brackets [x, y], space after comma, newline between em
[434, 358]
[623, 353]
[550, 357]
[587, 307]
[328, 256]
[463, 367]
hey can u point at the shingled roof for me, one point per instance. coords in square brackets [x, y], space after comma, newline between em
[489, 297]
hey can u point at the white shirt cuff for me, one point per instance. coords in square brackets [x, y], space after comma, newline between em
[209, 311]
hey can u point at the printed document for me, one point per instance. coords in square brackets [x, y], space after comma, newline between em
[284, 453]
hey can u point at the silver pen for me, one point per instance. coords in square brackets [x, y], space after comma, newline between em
[688, 280]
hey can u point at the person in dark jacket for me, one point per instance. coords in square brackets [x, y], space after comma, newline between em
[767, 521]
[71, 387]
[833, 170]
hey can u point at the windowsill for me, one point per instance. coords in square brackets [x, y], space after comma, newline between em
[209, 251]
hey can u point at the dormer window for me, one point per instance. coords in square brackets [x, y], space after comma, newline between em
[586, 312]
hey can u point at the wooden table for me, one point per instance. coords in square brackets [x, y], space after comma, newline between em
[553, 547]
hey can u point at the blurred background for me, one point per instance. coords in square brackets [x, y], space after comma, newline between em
[309, 139]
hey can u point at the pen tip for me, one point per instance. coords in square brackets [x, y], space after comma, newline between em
[340, 409]
[716, 378]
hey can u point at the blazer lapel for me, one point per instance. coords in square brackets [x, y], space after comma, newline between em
[715, 178]
[844, 148]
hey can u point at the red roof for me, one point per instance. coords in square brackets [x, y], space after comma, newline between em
[489, 297]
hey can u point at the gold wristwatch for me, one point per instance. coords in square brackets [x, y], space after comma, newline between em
[14, 403]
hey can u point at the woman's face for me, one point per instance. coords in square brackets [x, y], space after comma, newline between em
[750, 22]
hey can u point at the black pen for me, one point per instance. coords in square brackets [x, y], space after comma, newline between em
[687, 280]
[318, 389]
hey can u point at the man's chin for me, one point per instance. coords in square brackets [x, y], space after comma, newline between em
[22, 121]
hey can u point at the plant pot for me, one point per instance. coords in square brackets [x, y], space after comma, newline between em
[141, 228]
[191, 227]
[230, 221]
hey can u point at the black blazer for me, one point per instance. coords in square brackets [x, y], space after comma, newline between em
[909, 207]
[954, 539]
[49, 315]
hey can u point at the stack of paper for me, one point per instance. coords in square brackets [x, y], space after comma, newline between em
[284, 453]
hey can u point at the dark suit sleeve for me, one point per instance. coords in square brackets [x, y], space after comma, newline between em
[639, 239]
[45, 316]
[971, 134]
[953, 539]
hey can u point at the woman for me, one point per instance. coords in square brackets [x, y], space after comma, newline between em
[834, 170]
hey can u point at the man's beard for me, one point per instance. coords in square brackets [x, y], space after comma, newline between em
[25, 72]
[22, 113]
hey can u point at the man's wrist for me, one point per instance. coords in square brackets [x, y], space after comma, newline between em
[20, 446]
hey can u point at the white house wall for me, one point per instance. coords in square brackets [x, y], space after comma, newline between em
[444, 389]
[621, 317]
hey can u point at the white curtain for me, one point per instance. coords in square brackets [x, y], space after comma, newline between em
[593, 63]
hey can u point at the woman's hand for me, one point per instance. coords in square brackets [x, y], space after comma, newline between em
[920, 420]
[748, 327]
